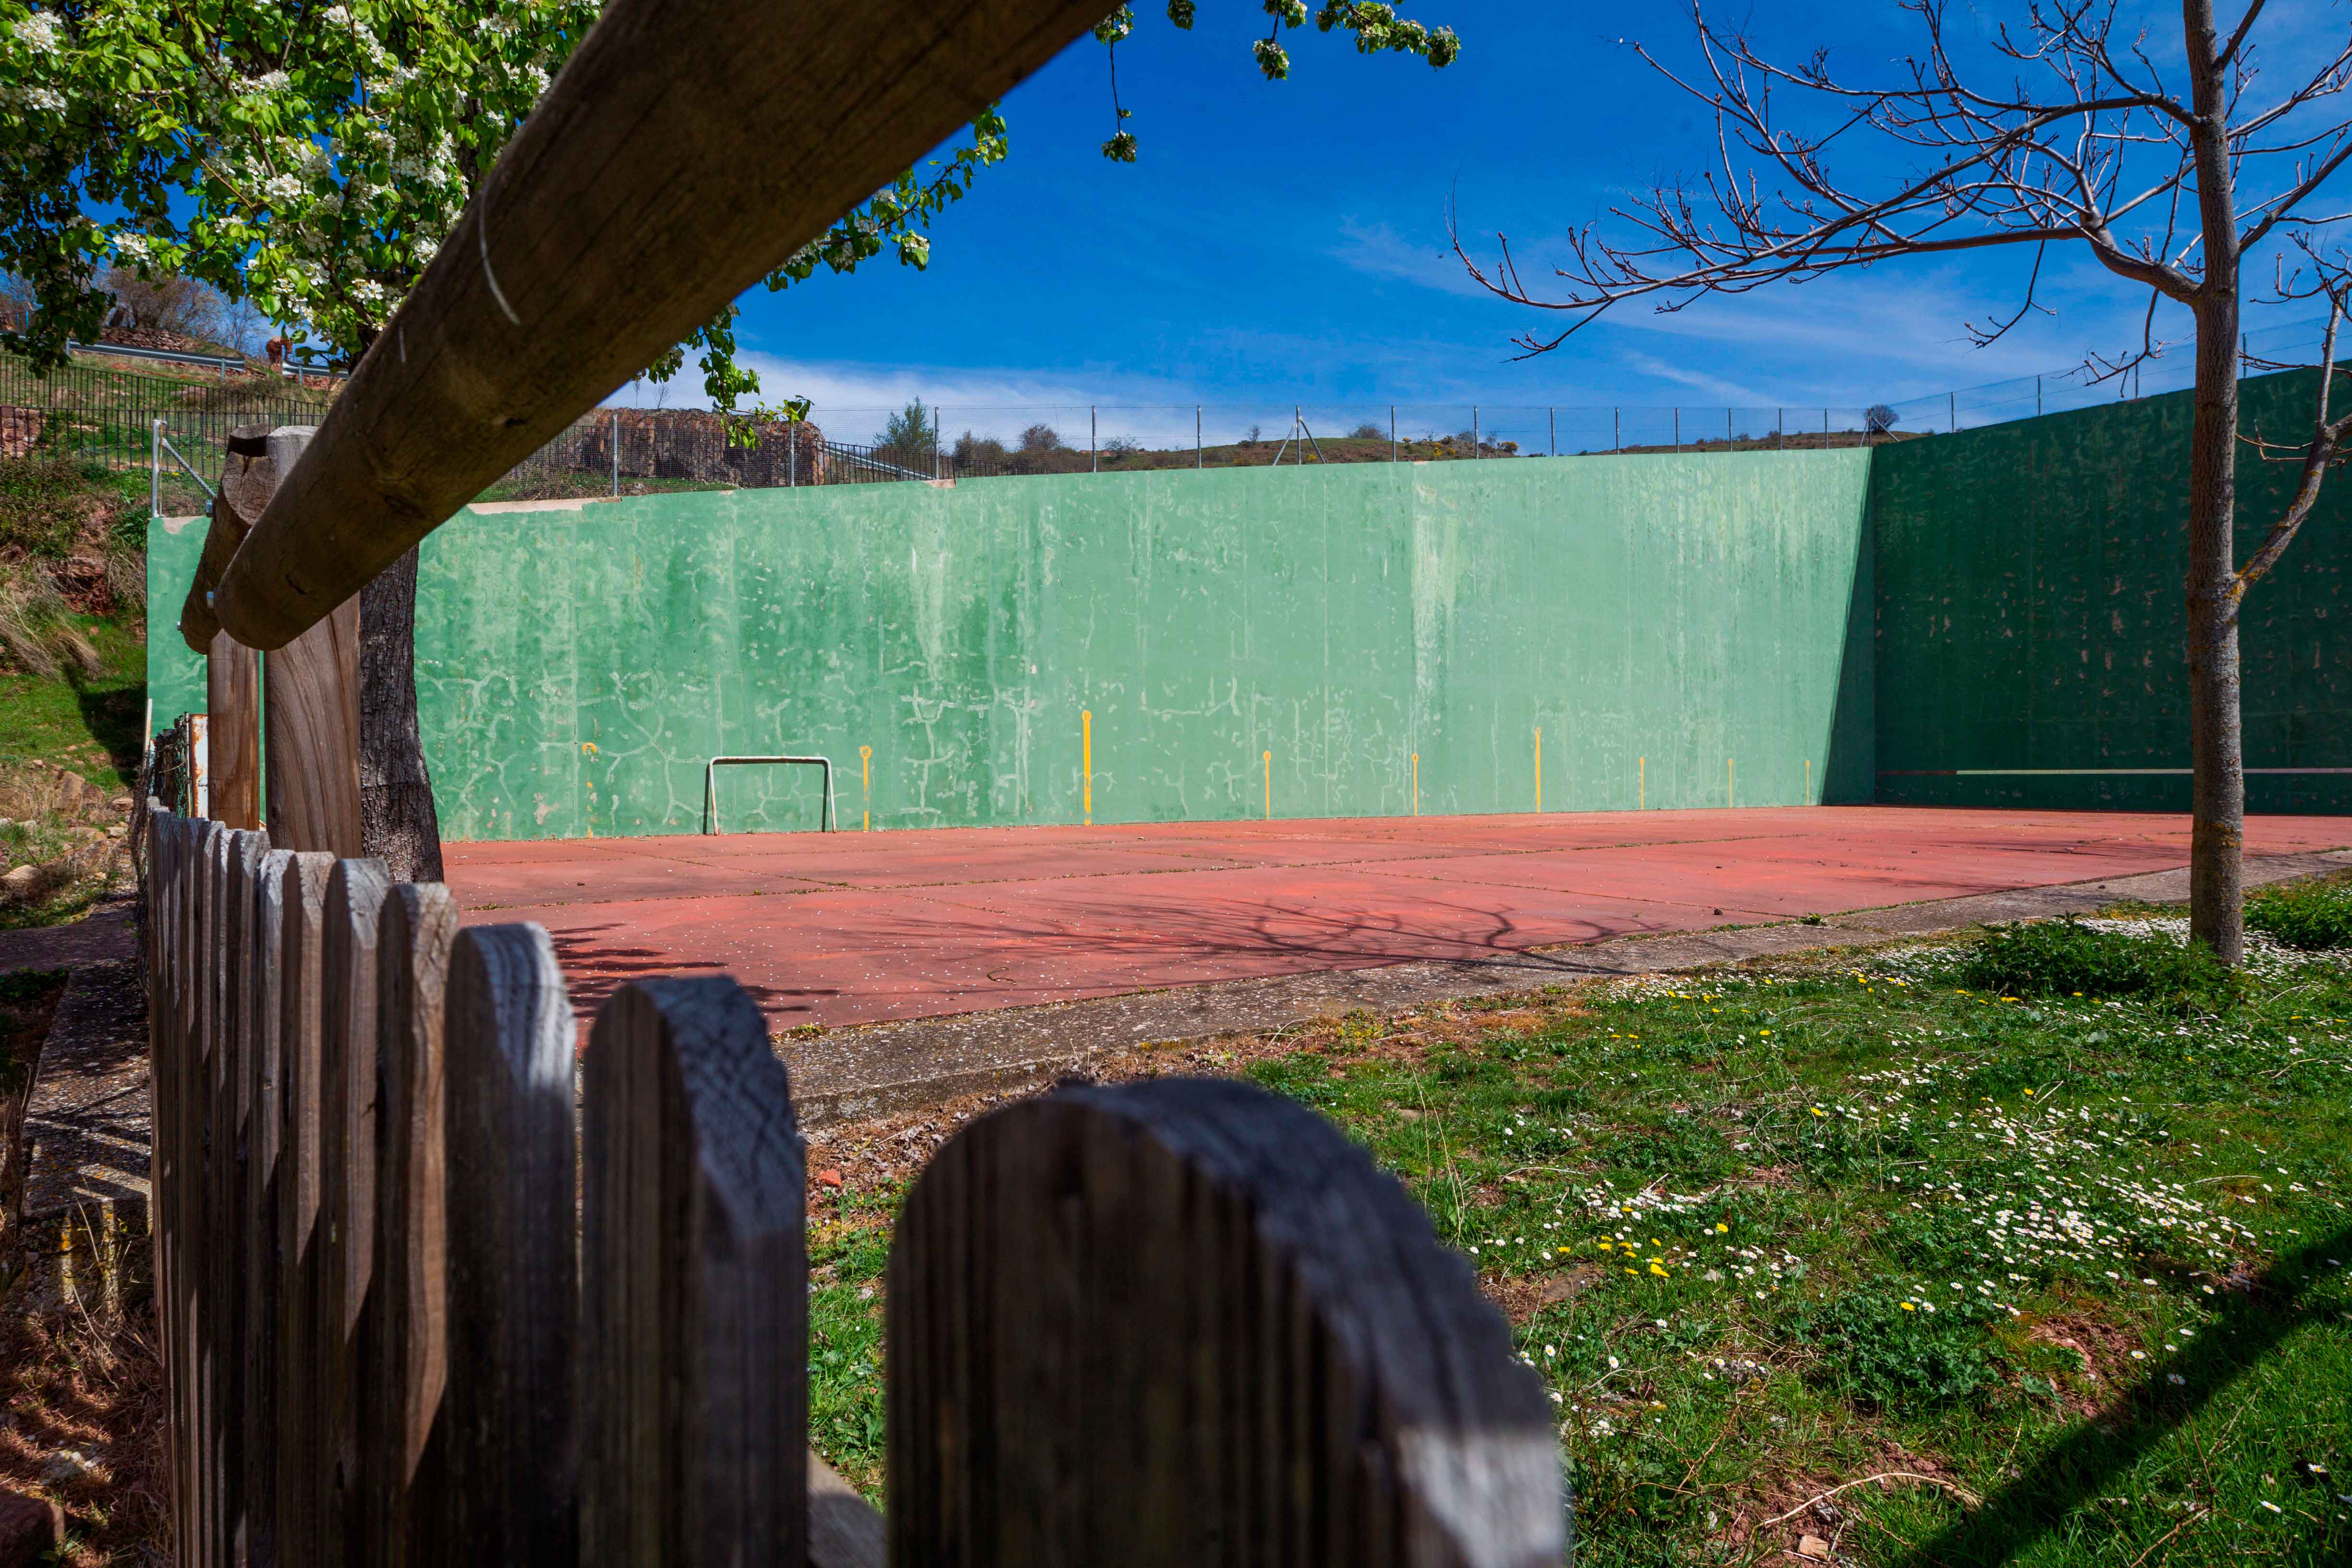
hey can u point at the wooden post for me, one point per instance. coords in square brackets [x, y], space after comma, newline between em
[694, 1299]
[401, 1384]
[312, 690]
[508, 1413]
[310, 693]
[346, 1222]
[686, 147]
[233, 715]
[300, 1422]
[1188, 1321]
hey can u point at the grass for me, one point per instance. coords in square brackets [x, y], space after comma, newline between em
[86, 720]
[2066, 1270]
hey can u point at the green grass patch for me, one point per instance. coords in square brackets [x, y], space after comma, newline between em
[88, 720]
[2076, 1260]
[2068, 958]
[2312, 916]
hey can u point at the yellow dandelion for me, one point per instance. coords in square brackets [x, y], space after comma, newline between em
[1656, 1270]
[1723, 1227]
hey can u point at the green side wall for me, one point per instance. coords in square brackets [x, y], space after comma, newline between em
[175, 676]
[1686, 631]
[2030, 613]
[577, 665]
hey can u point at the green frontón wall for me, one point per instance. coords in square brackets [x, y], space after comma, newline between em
[2031, 615]
[1685, 631]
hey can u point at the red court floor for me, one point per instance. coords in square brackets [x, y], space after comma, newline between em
[853, 927]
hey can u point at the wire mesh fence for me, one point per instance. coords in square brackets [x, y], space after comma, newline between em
[176, 430]
[122, 421]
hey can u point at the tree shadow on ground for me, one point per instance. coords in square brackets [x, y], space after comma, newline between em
[2083, 1463]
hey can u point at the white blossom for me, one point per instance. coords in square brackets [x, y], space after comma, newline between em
[39, 32]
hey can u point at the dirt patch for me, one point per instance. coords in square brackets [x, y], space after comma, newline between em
[2103, 1356]
[1521, 1297]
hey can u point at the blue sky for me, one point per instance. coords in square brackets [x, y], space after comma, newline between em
[1286, 242]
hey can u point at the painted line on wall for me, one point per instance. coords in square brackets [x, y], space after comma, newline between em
[1538, 768]
[866, 786]
[1416, 784]
[1642, 790]
[1730, 783]
[1269, 787]
[2076, 773]
[1086, 752]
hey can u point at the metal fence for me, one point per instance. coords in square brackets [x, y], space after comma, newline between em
[177, 429]
[125, 421]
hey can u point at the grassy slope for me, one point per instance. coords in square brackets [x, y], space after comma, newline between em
[87, 722]
[1720, 1208]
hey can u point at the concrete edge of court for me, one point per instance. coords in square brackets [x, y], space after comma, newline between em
[869, 1070]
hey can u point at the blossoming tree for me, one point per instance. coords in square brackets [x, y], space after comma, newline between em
[314, 158]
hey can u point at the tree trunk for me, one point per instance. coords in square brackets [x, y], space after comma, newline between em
[397, 821]
[2217, 913]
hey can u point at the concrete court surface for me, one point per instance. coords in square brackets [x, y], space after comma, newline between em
[852, 928]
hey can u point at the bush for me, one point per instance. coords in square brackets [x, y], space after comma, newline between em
[1040, 438]
[976, 451]
[2312, 916]
[1368, 431]
[2066, 958]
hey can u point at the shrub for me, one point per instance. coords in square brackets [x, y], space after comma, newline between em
[1122, 446]
[1040, 438]
[2312, 916]
[1368, 431]
[976, 451]
[2066, 958]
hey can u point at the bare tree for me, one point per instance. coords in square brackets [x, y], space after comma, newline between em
[2091, 142]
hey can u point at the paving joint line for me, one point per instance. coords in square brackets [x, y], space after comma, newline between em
[866, 1070]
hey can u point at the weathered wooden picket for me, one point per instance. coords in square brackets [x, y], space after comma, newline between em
[416, 1308]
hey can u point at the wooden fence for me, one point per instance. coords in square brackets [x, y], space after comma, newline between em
[429, 1293]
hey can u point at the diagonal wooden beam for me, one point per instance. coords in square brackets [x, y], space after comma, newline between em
[688, 147]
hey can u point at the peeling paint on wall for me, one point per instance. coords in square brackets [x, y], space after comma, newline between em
[576, 667]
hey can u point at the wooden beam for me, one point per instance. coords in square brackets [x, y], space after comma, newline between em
[248, 478]
[233, 721]
[688, 147]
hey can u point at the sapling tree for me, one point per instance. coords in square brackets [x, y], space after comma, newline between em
[313, 158]
[2072, 129]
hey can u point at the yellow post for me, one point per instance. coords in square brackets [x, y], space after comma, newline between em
[1730, 783]
[1538, 768]
[865, 785]
[1642, 790]
[1809, 781]
[1269, 787]
[1416, 784]
[1086, 750]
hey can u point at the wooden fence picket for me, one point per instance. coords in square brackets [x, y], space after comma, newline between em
[1187, 1321]
[694, 1299]
[229, 1255]
[508, 1413]
[405, 1365]
[300, 1423]
[407, 1319]
[345, 1228]
[265, 1137]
